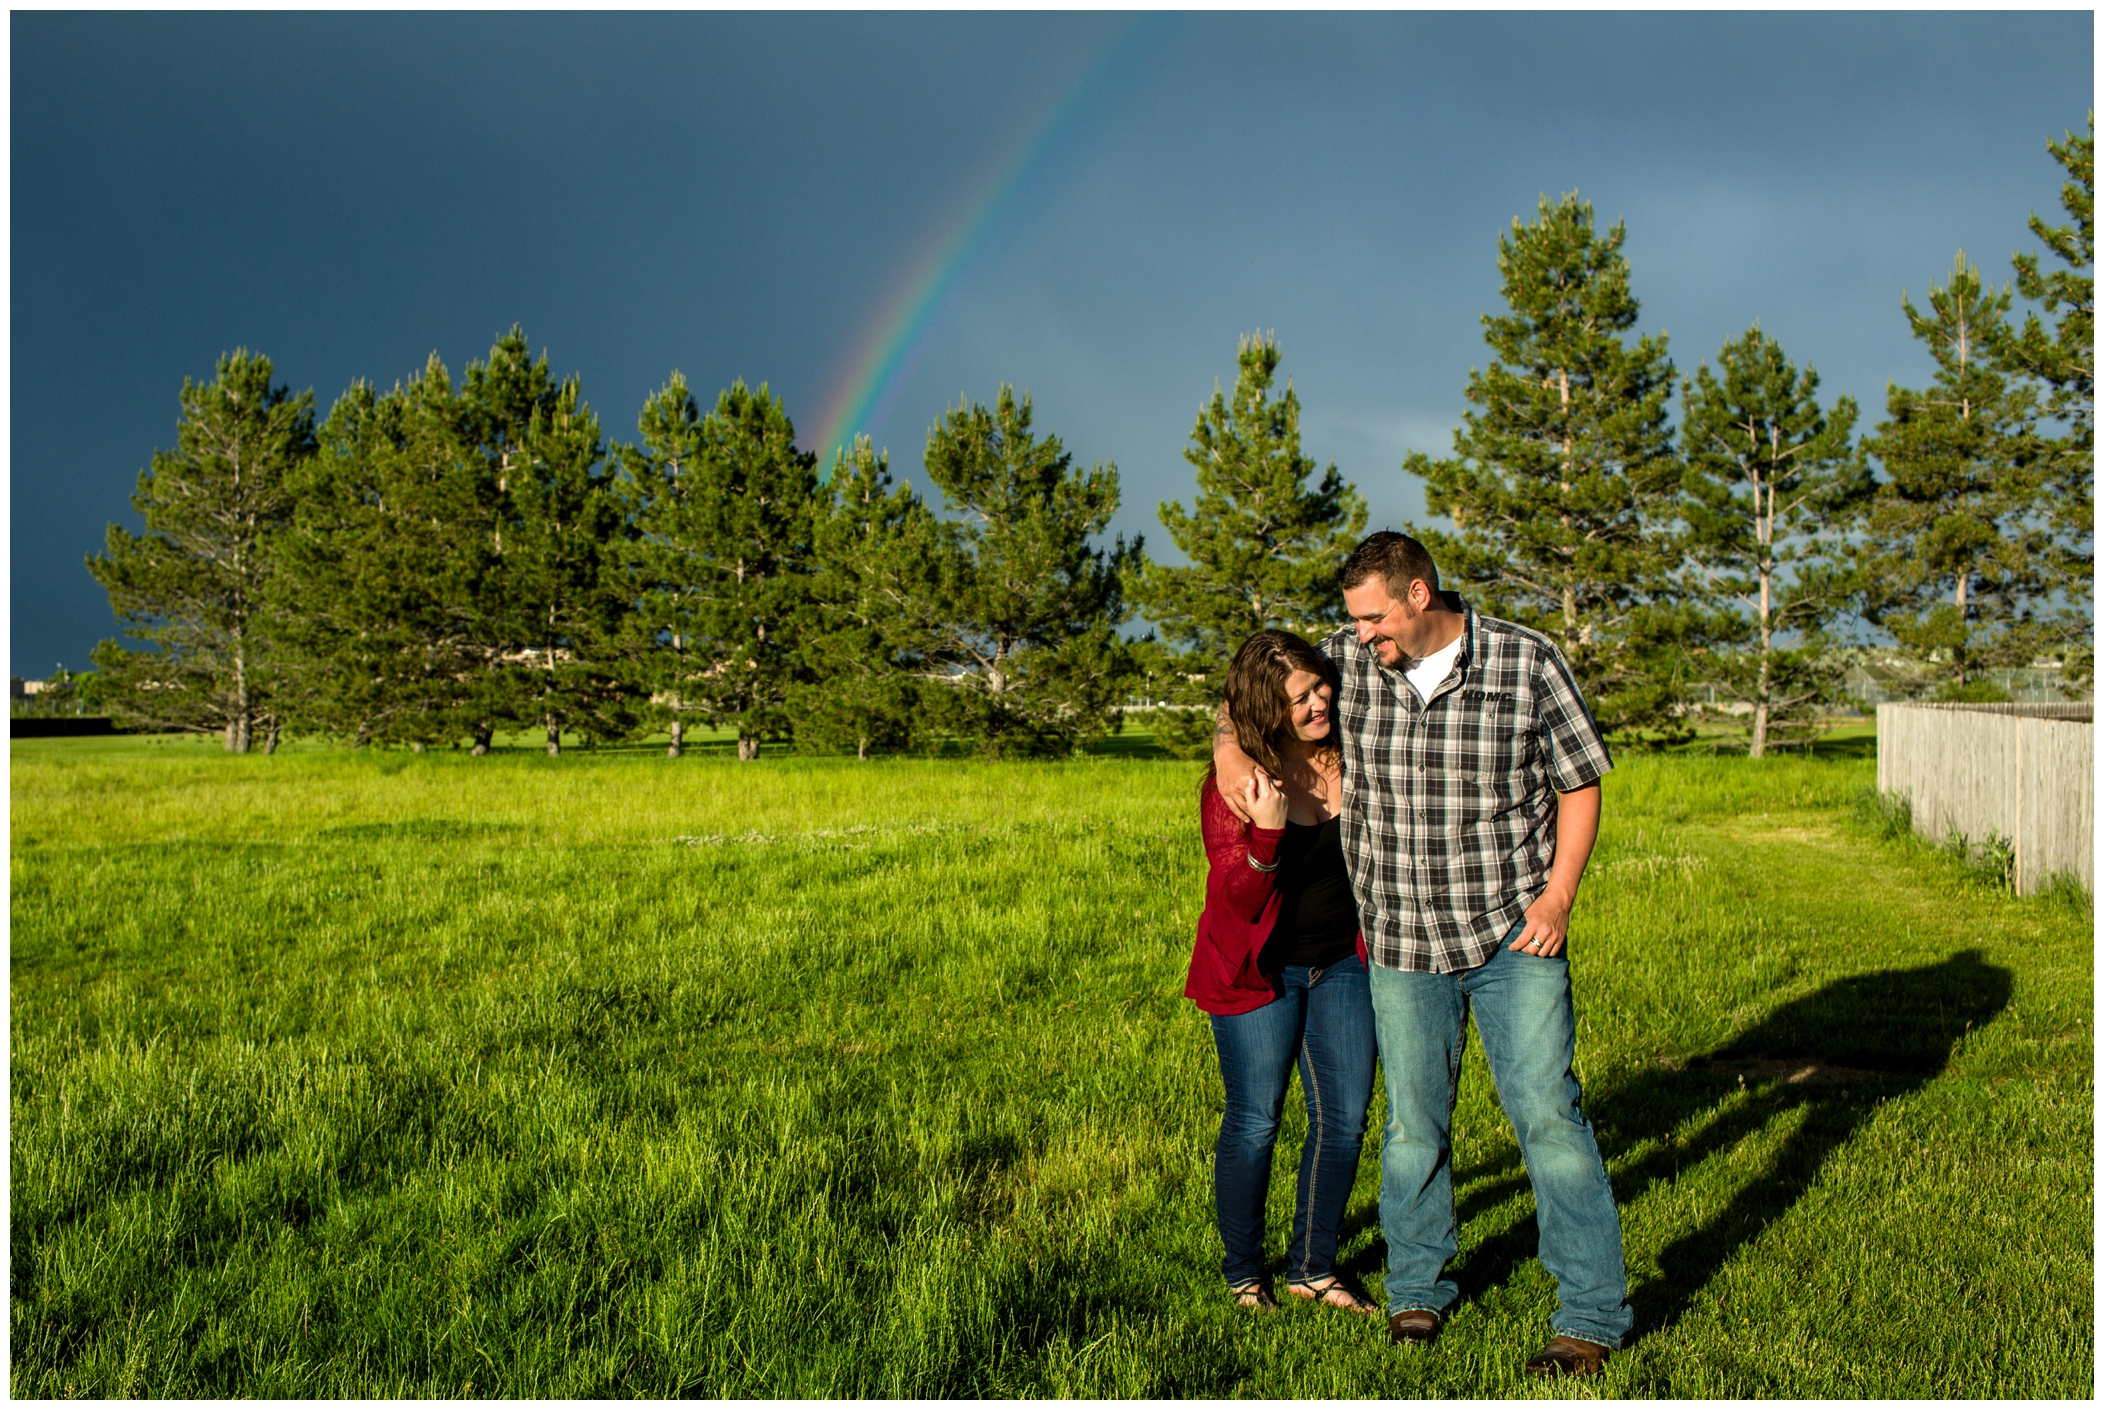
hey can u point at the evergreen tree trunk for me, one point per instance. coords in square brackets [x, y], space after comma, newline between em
[1760, 704]
[678, 730]
[1958, 651]
[483, 732]
[1964, 414]
[270, 739]
[862, 747]
[237, 724]
[1763, 685]
[748, 746]
[555, 738]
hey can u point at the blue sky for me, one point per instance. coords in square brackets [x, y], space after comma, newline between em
[741, 195]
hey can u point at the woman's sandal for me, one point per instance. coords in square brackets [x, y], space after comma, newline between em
[1254, 1293]
[1334, 1292]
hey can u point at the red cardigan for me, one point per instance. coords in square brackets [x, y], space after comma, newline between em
[1241, 911]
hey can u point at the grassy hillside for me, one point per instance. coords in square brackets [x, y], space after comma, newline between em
[343, 1074]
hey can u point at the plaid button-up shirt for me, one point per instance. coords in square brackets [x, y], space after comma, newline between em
[1450, 803]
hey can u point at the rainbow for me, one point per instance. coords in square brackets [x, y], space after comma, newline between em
[861, 392]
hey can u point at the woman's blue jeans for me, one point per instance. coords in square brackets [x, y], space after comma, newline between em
[1323, 1023]
[1522, 1008]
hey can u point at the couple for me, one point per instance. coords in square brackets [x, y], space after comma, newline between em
[1396, 824]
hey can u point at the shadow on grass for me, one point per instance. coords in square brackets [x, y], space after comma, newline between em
[1850, 742]
[1837, 1056]
[1855, 746]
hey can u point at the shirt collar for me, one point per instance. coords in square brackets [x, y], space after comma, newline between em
[1468, 626]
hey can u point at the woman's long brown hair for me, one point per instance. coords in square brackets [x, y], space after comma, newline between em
[1257, 703]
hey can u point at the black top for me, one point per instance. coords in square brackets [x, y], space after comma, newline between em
[1317, 920]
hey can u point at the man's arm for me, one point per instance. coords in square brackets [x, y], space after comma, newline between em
[1232, 769]
[1577, 827]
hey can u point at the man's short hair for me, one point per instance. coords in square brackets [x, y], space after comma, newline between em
[1396, 559]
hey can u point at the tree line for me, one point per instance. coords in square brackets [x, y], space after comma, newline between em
[439, 562]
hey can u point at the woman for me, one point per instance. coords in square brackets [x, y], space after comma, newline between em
[1279, 966]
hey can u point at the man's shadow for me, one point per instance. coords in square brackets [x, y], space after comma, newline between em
[1836, 1056]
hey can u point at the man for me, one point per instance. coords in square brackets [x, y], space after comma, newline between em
[1471, 801]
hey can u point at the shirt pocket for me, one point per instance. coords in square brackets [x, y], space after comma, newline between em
[1500, 756]
[1486, 799]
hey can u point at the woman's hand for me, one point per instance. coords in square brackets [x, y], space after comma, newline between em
[1262, 802]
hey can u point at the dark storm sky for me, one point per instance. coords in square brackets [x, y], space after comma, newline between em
[744, 195]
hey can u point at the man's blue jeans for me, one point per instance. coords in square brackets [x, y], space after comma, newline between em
[1522, 1008]
[1323, 1024]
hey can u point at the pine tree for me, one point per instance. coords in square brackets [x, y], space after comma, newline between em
[499, 399]
[195, 583]
[1773, 484]
[534, 607]
[1954, 554]
[1564, 489]
[2060, 366]
[1025, 613]
[659, 483]
[864, 669]
[749, 567]
[391, 537]
[562, 578]
[1263, 544]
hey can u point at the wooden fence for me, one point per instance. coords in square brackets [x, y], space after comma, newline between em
[2021, 772]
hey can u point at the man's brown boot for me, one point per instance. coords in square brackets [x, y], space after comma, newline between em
[1568, 1356]
[1413, 1324]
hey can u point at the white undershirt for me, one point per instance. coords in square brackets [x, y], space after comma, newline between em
[1426, 672]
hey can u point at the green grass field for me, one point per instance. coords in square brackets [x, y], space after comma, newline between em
[359, 1074]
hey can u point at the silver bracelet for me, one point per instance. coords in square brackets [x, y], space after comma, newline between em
[1251, 858]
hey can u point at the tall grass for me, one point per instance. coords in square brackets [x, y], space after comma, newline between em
[370, 1074]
